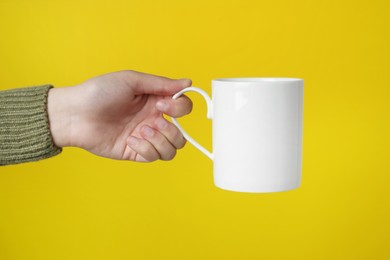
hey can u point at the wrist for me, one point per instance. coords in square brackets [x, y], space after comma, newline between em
[60, 108]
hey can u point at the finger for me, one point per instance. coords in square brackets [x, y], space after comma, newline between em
[175, 107]
[144, 149]
[160, 143]
[139, 158]
[157, 85]
[171, 132]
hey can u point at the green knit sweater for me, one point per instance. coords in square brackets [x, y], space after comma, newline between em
[24, 126]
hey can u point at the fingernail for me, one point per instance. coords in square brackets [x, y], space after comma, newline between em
[162, 123]
[133, 141]
[148, 131]
[162, 105]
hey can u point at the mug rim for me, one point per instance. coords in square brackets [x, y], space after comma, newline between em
[258, 79]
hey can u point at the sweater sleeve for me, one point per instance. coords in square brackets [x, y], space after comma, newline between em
[24, 126]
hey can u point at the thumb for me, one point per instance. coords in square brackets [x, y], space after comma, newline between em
[157, 85]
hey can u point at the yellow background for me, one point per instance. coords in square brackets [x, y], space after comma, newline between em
[79, 206]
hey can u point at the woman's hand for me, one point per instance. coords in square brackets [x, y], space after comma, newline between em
[120, 115]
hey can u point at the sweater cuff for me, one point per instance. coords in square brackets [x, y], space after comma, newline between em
[24, 126]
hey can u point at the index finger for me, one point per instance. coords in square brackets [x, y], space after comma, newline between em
[158, 85]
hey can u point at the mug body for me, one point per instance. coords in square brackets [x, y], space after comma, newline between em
[257, 133]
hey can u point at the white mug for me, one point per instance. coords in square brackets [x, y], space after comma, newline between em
[256, 133]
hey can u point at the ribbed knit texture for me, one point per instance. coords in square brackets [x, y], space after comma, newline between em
[24, 126]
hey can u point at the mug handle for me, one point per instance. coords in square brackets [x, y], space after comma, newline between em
[209, 116]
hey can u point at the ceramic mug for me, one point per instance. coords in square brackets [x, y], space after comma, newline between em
[256, 133]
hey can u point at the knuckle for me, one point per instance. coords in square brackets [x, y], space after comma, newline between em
[148, 152]
[152, 157]
[181, 107]
[182, 143]
[140, 158]
[177, 138]
[180, 140]
[190, 105]
[185, 106]
[169, 155]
